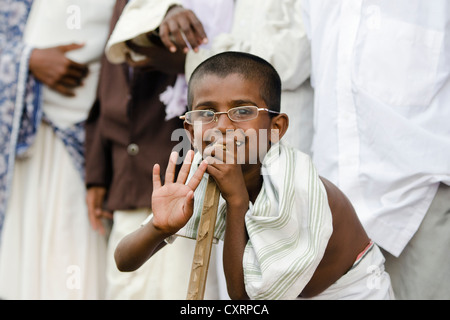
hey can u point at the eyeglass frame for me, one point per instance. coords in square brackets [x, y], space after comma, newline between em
[216, 114]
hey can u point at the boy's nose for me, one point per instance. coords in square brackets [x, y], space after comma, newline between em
[223, 122]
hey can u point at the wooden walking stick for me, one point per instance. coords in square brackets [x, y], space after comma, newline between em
[203, 246]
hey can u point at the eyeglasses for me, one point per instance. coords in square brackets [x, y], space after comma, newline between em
[238, 114]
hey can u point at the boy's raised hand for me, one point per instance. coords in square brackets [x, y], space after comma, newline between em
[173, 202]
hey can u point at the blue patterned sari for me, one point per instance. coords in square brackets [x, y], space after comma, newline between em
[20, 100]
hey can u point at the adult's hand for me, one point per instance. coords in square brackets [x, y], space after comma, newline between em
[94, 200]
[180, 21]
[54, 69]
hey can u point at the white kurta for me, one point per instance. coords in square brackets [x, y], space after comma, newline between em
[48, 249]
[381, 74]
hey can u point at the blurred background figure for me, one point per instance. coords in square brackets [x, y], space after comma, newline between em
[49, 68]
[382, 85]
[129, 129]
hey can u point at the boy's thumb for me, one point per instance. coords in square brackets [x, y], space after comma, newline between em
[189, 203]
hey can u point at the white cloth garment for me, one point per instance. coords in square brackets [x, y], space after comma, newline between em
[381, 74]
[289, 225]
[48, 248]
[366, 280]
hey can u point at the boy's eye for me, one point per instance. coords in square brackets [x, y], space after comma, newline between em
[243, 113]
[206, 113]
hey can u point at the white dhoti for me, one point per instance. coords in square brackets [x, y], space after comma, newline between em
[366, 280]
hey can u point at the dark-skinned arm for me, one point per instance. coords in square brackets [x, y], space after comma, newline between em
[137, 247]
[236, 239]
[231, 183]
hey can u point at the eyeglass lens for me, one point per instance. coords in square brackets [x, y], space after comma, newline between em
[236, 114]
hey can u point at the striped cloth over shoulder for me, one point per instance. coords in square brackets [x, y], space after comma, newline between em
[289, 225]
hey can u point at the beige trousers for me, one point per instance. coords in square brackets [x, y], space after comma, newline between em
[422, 271]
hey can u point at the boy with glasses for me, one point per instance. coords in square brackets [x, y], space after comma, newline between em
[287, 232]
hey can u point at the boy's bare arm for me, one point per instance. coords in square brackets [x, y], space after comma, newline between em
[137, 247]
[346, 242]
[231, 183]
[236, 239]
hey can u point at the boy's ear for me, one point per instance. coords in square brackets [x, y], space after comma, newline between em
[280, 123]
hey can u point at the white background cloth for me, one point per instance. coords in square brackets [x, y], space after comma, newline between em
[381, 74]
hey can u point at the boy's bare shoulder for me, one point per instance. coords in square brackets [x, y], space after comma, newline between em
[346, 242]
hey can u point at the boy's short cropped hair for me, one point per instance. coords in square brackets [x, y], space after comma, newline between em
[249, 66]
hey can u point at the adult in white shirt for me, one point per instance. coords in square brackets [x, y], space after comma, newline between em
[381, 74]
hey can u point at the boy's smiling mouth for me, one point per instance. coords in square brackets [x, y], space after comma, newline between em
[224, 143]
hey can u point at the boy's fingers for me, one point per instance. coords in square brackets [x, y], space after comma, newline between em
[156, 177]
[198, 175]
[213, 160]
[170, 171]
[215, 154]
[185, 168]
